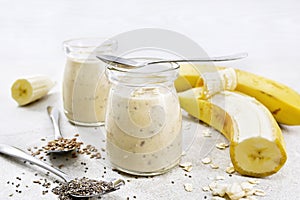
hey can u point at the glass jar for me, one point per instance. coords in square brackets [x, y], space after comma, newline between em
[143, 119]
[85, 86]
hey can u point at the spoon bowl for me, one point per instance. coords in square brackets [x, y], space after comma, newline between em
[54, 115]
[19, 154]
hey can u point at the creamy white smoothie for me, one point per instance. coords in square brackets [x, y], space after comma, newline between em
[143, 129]
[85, 90]
[85, 85]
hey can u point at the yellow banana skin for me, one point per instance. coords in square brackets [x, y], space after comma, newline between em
[282, 101]
[257, 147]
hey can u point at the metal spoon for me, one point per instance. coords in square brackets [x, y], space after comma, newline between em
[55, 116]
[19, 154]
[130, 63]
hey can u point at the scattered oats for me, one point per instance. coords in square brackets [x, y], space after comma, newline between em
[230, 170]
[217, 198]
[250, 192]
[188, 169]
[219, 178]
[187, 166]
[212, 185]
[219, 190]
[249, 198]
[205, 189]
[214, 166]
[188, 187]
[183, 153]
[235, 191]
[253, 181]
[259, 192]
[246, 186]
[206, 160]
[222, 145]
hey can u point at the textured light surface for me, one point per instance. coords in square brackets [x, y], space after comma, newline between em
[31, 36]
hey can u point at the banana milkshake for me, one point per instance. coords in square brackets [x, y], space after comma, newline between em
[85, 85]
[85, 91]
[143, 126]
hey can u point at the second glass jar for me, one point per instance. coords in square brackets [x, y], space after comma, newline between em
[143, 119]
[85, 86]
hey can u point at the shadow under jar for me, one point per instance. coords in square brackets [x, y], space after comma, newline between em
[85, 85]
[143, 119]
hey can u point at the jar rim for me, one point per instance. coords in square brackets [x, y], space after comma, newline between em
[68, 43]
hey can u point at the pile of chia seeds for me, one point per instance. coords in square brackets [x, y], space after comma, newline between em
[81, 187]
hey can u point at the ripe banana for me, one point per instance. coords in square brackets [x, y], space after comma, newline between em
[282, 101]
[27, 90]
[257, 147]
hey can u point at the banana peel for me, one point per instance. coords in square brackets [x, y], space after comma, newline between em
[282, 101]
[257, 147]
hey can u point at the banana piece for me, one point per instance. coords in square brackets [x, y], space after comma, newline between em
[282, 101]
[257, 147]
[27, 90]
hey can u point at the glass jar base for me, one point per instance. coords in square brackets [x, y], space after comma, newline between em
[88, 124]
[80, 123]
[154, 173]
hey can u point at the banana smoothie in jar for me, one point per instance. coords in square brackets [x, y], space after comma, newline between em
[85, 86]
[143, 119]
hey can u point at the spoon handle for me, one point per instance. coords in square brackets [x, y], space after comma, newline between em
[54, 116]
[19, 154]
[208, 59]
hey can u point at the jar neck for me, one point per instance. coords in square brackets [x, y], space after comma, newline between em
[166, 78]
[152, 74]
[88, 48]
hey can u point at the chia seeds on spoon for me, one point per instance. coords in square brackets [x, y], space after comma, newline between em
[81, 187]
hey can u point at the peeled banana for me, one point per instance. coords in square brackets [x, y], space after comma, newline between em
[282, 101]
[257, 147]
[27, 90]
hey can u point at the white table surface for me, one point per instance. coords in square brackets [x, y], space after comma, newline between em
[31, 33]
